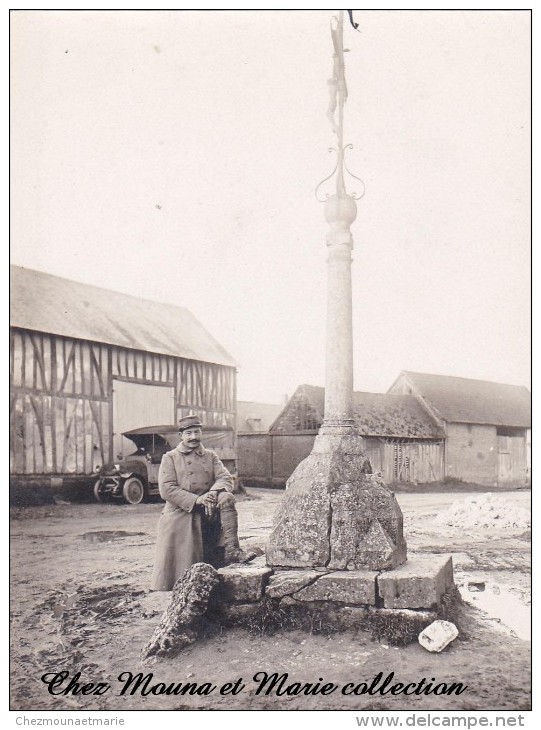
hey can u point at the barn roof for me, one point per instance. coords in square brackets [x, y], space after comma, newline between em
[462, 400]
[376, 414]
[46, 303]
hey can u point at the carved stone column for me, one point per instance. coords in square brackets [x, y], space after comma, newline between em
[340, 212]
[335, 513]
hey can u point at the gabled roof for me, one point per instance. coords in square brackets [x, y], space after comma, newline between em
[376, 414]
[461, 400]
[46, 303]
[254, 417]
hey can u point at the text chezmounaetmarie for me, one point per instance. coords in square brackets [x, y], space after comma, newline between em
[265, 683]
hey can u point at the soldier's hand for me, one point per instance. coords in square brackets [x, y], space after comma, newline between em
[208, 501]
[210, 505]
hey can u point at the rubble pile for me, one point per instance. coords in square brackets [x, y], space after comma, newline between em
[485, 510]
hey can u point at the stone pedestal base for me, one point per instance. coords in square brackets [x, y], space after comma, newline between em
[394, 605]
[420, 583]
[336, 514]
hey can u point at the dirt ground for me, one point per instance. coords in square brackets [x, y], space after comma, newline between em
[80, 603]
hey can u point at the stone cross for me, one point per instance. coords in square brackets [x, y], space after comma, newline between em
[335, 513]
[340, 212]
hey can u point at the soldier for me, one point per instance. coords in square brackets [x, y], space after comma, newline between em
[199, 513]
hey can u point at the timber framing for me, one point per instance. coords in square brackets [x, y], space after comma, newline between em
[61, 398]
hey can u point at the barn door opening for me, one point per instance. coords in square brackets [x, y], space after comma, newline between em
[401, 464]
[512, 460]
[136, 405]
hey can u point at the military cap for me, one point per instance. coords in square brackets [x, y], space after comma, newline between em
[189, 422]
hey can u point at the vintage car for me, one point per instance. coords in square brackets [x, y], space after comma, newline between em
[135, 477]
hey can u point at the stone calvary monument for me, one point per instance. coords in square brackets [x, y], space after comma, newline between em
[336, 556]
[338, 535]
[336, 514]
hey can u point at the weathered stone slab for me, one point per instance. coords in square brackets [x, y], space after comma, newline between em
[242, 583]
[354, 588]
[286, 582]
[348, 617]
[259, 562]
[408, 614]
[420, 583]
[234, 613]
[316, 615]
[336, 514]
[179, 624]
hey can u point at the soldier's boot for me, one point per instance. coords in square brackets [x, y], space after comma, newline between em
[229, 520]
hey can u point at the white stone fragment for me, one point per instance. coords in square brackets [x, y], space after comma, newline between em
[438, 635]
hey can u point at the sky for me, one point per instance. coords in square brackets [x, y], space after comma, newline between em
[174, 155]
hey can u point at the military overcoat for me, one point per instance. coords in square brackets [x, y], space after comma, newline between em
[184, 475]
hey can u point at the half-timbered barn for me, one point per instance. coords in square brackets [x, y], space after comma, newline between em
[88, 364]
[487, 426]
[401, 438]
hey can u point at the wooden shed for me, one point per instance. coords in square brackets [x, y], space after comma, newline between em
[401, 438]
[87, 364]
[487, 426]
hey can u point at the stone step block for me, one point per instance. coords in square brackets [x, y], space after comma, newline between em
[287, 582]
[259, 562]
[242, 583]
[235, 614]
[426, 615]
[419, 584]
[350, 587]
[316, 616]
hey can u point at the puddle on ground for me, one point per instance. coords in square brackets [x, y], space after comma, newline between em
[108, 535]
[509, 607]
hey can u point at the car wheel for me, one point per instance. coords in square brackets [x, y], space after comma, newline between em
[98, 493]
[133, 490]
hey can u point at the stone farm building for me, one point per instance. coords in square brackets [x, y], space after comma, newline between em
[402, 439]
[426, 428]
[87, 364]
[487, 426]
